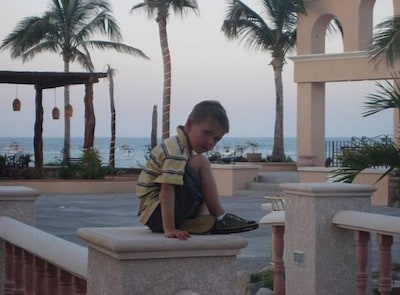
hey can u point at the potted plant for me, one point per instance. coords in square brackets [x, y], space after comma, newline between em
[253, 156]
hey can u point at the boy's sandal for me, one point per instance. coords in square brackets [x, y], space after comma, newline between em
[202, 224]
[231, 223]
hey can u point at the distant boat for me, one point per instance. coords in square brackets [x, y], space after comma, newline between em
[13, 148]
[228, 154]
[126, 149]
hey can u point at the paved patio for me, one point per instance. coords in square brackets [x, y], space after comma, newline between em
[62, 215]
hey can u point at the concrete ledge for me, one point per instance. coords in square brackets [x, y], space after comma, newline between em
[77, 186]
[18, 202]
[18, 193]
[140, 243]
[123, 260]
[64, 254]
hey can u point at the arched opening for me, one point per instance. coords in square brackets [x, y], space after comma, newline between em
[383, 9]
[318, 40]
[333, 37]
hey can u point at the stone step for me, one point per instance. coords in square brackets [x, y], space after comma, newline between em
[268, 183]
[278, 176]
[263, 186]
[255, 193]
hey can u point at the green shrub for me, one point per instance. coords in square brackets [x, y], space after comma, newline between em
[265, 276]
[89, 168]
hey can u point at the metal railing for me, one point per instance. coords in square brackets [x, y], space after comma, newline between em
[335, 149]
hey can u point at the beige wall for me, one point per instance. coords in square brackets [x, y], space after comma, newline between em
[230, 178]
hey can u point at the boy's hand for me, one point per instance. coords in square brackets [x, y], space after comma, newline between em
[178, 234]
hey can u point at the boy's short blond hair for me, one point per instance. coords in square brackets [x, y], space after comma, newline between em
[210, 109]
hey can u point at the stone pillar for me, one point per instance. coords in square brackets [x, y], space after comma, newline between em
[133, 260]
[17, 202]
[311, 124]
[319, 257]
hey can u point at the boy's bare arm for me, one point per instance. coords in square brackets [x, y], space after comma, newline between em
[167, 200]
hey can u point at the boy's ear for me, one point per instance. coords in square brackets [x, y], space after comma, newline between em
[189, 122]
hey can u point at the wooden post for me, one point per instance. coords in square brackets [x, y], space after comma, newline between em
[90, 120]
[38, 131]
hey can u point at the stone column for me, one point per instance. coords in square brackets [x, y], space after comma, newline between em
[17, 202]
[132, 260]
[320, 257]
[311, 124]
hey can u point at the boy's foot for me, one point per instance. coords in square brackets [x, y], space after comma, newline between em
[199, 225]
[234, 224]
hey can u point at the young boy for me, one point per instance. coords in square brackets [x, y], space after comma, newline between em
[177, 191]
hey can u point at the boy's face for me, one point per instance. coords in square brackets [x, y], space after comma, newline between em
[204, 135]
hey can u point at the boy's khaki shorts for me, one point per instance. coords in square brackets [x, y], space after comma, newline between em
[187, 201]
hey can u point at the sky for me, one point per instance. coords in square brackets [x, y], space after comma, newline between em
[205, 65]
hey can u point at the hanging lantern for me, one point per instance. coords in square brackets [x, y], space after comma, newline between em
[16, 102]
[56, 113]
[68, 111]
[16, 105]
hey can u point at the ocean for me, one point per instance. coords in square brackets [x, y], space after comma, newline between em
[129, 152]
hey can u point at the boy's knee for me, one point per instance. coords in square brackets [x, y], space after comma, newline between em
[198, 162]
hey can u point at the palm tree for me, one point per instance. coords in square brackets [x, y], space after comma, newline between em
[66, 28]
[273, 30]
[160, 9]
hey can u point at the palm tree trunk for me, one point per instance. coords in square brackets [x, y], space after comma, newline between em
[111, 159]
[153, 138]
[67, 124]
[162, 27]
[278, 151]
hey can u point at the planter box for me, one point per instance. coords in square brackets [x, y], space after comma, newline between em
[253, 157]
[278, 166]
[232, 177]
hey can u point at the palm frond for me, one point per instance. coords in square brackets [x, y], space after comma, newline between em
[104, 24]
[182, 7]
[83, 58]
[386, 97]
[274, 29]
[121, 48]
[39, 48]
[334, 26]
[67, 28]
[154, 8]
[385, 45]
[247, 26]
[29, 32]
[367, 156]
